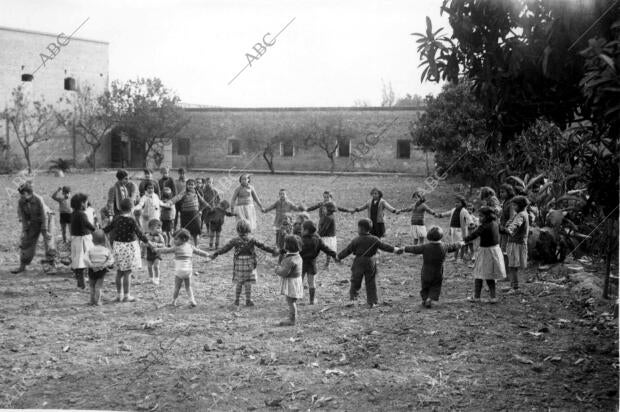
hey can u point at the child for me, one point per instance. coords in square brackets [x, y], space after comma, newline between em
[152, 255]
[364, 266]
[327, 197]
[149, 205]
[376, 206]
[327, 230]
[126, 248]
[490, 263]
[282, 206]
[91, 214]
[472, 246]
[217, 221]
[459, 223]
[419, 207]
[433, 255]
[168, 211]
[183, 270]
[286, 229]
[190, 205]
[148, 178]
[290, 272]
[299, 221]
[244, 260]
[81, 238]
[98, 259]
[64, 207]
[518, 230]
[311, 246]
[212, 197]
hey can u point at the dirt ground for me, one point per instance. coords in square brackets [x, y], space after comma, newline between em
[539, 350]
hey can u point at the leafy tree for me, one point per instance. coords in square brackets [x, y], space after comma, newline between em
[410, 101]
[32, 122]
[150, 110]
[92, 116]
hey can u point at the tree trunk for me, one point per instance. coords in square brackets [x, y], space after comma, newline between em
[94, 154]
[27, 156]
[428, 172]
[610, 250]
[269, 160]
[333, 163]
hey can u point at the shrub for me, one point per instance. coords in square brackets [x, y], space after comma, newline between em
[64, 165]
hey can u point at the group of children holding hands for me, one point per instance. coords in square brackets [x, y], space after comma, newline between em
[298, 243]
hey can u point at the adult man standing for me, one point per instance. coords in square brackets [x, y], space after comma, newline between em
[36, 219]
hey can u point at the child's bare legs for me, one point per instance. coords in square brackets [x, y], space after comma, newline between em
[123, 285]
[93, 290]
[167, 237]
[292, 312]
[190, 292]
[195, 237]
[217, 240]
[79, 275]
[149, 268]
[311, 288]
[238, 288]
[63, 227]
[178, 282]
[153, 268]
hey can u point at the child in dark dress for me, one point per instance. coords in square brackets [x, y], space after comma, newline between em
[311, 246]
[364, 266]
[433, 255]
[327, 229]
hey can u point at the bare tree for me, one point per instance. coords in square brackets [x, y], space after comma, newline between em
[32, 121]
[387, 95]
[92, 117]
[259, 140]
[325, 136]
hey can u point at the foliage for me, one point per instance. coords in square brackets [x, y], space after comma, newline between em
[324, 135]
[64, 165]
[32, 122]
[259, 140]
[410, 101]
[453, 127]
[150, 110]
[92, 116]
[10, 162]
[521, 56]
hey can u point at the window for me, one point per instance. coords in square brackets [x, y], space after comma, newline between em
[287, 149]
[344, 146]
[403, 149]
[234, 147]
[183, 147]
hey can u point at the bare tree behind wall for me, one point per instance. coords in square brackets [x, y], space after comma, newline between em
[262, 141]
[325, 136]
[32, 121]
[92, 117]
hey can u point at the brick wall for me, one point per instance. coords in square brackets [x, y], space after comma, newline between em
[211, 129]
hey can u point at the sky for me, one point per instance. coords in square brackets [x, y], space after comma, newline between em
[333, 53]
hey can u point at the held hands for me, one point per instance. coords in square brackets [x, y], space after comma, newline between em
[399, 250]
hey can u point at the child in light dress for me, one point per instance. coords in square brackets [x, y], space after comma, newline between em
[289, 271]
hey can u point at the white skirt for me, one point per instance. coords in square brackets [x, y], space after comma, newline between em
[80, 245]
[292, 287]
[489, 264]
[456, 234]
[248, 213]
[331, 242]
[418, 231]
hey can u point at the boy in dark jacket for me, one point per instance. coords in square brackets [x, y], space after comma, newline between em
[311, 246]
[364, 266]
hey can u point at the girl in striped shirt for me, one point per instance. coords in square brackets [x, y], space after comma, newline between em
[183, 270]
[418, 228]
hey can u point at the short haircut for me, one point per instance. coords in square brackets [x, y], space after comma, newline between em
[164, 169]
[225, 204]
[304, 216]
[509, 189]
[181, 170]
[77, 200]
[182, 235]
[434, 234]
[190, 181]
[420, 195]
[488, 213]
[521, 202]
[153, 223]
[246, 176]
[149, 184]
[126, 205]
[462, 200]
[243, 227]
[309, 227]
[328, 193]
[291, 243]
[374, 189]
[121, 174]
[147, 172]
[365, 224]
[282, 190]
[66, 189]
[99, 237]
[486, 191]
[25, 188]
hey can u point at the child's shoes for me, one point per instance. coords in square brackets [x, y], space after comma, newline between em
[129, 298]
[472, 299]
[249, 303]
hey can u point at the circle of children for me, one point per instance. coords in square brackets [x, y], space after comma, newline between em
[134, 214]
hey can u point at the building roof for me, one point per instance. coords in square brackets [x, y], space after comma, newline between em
[54, 35]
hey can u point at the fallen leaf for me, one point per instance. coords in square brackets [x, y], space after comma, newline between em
[523, 359]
